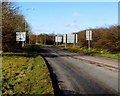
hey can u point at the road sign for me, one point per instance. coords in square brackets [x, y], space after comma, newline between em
[88, 35]
[20, 36]
[76, 38]
[64, 38]
[71, 38]
[58, 38]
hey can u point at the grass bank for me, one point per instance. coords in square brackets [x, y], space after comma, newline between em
[25, 72]
[97, 51]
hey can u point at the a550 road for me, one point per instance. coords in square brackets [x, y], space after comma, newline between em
[79, 76]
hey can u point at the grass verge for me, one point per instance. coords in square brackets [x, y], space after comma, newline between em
[98, 52]
[25, 72]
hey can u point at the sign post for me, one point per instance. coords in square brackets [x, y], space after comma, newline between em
[65, 40]
[21, 36]
[89, 37]
[58, 39]
[70, 38]
[75, 40]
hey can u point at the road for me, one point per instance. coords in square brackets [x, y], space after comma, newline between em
[77, 76]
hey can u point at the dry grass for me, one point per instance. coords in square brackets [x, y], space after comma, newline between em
[25, 74]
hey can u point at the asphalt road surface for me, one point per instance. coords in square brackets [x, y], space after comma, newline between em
[77, 77]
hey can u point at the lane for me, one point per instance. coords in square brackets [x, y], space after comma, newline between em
[79, 77]
[103, 61]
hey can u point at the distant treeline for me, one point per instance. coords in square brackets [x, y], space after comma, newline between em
[42, 39]
[104, 38]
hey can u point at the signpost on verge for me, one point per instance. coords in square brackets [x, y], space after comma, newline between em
[58, 39]
[88, 37]
[70, 38]
[75, 40]
[65, 40]
[21, 36]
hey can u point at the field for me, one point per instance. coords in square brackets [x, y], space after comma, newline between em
[93, 51]
[25, 72]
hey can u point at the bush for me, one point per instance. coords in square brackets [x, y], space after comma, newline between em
[104, 38]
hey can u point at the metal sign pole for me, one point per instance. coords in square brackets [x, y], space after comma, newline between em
[74, 46]
[89, 37]
[89, 41]
[89, 44]
[57, 39]
[22, 43]
[66, 41]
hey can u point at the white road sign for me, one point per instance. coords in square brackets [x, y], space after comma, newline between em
[58, 38]
[76, 38]
[71, 38]
[88, 35]
[20, 36]
[64, 38]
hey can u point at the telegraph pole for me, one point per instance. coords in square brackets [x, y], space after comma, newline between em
[24, 42]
